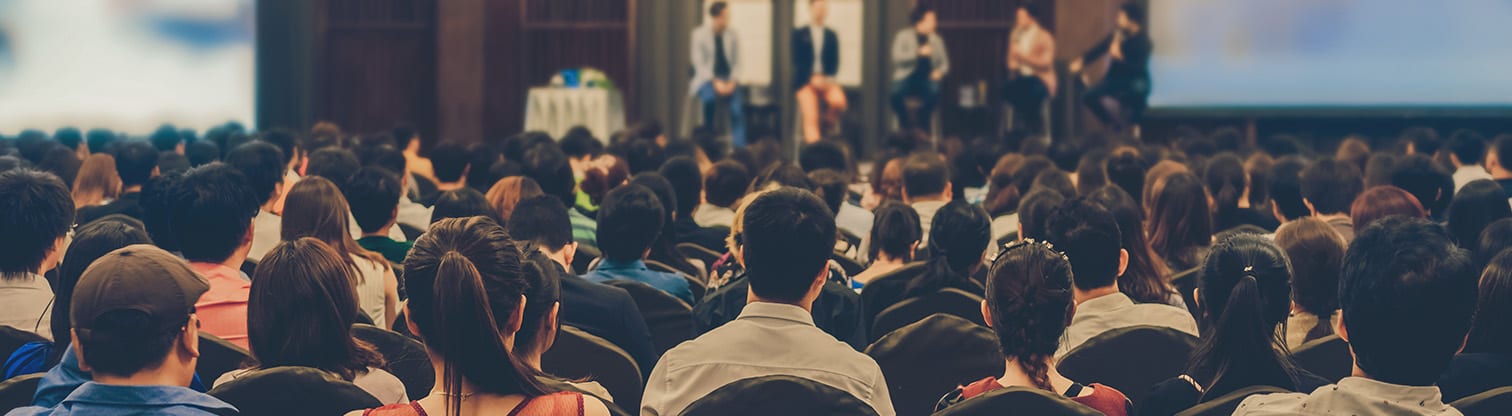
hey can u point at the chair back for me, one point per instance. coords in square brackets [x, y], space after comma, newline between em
[586, 256]
[695, 251]
[669, 319]
[1327, 357]
[1018, 401]
[849, 237]
[11, 339]
[951, 301]
[218, 356]
[848, 264]
[404, 357]
[286, 391]
[18, 391]
[580, 355]
[1224, 406]
[694, 285]
[1186, 283]
[249, 267]
[411, 233]
[1496, 402]
[1130, 359]
[928, 358]
[778, 395]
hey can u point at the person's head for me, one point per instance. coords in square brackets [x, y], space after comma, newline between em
[333, 163]
[462, 203]
[301, 308]
[264, 166]
[69, 137]
[644, 155]
[719, 15]
[1329, 186]
[1227, 183]
[607, 173]
[450, 162]
[1179, 216]
[827, 154]
[316, 208]
[1258, 166]
[97, 181]
[166, 139]
[1055, 180]
[211, 214]
[374, 198]
[1467, 148]
[172, 162]
[1422, 140]
[160, 196]
[90, 242]
[99, 140]
[1378, 169]
[202, 153]
[1419, 175]
[287, 142]
[1491, 330]
[1353, 150]
[786, 242]
[1035, 209]
[543, 221]
[1497, 237]
[726, 183]
[922, 17]
[1091, 173]
[1499, 159]
[581, 148]
[1088, 235]
[958, 235]
[61, 161]
[386, 157]
[543, 298]
[1316, 251]
[1155, 177]
[1244, 293]
[507, 193]
[925, 178]
[467, 291]
[630, 218]
[1475, 207]
[895, 232]
[1029, 303]
[1383, 201]
[818, 11]
[1286, 189]
[1127, 170]
[830, 186]
[490, 163]
[136, 162]
[779, 175]
[1144, 278]
[133, 313]
[1131, 17]
[687, 183]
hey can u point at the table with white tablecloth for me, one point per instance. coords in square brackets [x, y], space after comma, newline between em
[555, 110]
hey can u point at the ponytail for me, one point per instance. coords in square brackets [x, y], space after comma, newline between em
[1242, 342]
[466, 333]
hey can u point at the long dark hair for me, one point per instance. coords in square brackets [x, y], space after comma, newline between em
[1002, 195]
[1029, 294]
[465, 281]
[1491, 330]
[1180, 223]
[895, 229]
[1244, 294]
[91, 242]
[316, 208]
[1475, 207]
[958, 235]
[302, 308]
[1226, 181]
[1145, 278]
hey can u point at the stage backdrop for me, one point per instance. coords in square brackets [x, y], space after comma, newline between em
[125, 65]
[1331, 53]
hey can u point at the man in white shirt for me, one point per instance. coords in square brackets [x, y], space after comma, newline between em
[1090, 238]
[1467, 150]
[1407, 295]
[786, 248]
[724, 185]
[816, 60]
[36, 214]
[926, 188]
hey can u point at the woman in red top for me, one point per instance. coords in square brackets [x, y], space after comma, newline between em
[466, 287]
[1029, 304]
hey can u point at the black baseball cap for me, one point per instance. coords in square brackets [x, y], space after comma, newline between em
[140, 278]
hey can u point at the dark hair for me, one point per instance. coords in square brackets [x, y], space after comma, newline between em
[1424, 140]
[1029, 171]
[1378, 169]
[829, 185]
[508, 192]
[386, 157]
[1029, 294]
[316, 208]
[166, 138]
[925, 174]
[61, 161]
[578, 144]
[212, 212]
[629, 220]
[1490, 330]
[1331, 186]
[514, 147]
[726, 183]
[135, 161]
[1354, 150]
[374, 195]
[781, 174]
[543, 291]
[1134, 11]
[643, 155]
[170, 162]
[1420, 175]
[958, 234]
[490, 166]
[91, 242]
[1126, 169]
[919, 11]
[1002, 196]
[1144, 280]
[465, 280]
[1179, 219]
[301, 309]
[1258, 166]
[450, 161]
[895, 229]
[69, 137]
[825, 154]
[1055, 180]
[1286, 187]
[203, 152]
[1475, 207]
[263, 164]
[1408, 294]
[718, 8]
[462, 203]
[285, 139]
[1226, 180]
[786, 241]
[543, 221]
[1035, 209]
[687, 183]
[335, 164]
[1316, 251]
[1091, 173]
[1468, 146]
[1090, 237]
[1496, 238]
[1244, 294]
[664, 248]
[160, 197]
[99, 140]
[123, 342]
[550, 169]
[1503, 148]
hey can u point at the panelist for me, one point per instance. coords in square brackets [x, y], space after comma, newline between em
[919, 63]
[816, 60]
[716, 66]
[1031, 61]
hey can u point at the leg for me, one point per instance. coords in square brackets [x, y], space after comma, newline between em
[931, 98]
[707, 97]
[808, 113]
[1094, 100]
[737, 119]
[898, 96]
[835, 96]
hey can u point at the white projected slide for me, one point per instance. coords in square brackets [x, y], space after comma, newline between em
[846, 18]
[1331, 53]
[127, 65]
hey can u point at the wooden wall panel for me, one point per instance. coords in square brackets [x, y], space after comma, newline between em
[375, 65]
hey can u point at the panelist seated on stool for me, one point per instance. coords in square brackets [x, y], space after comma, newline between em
[919, 63]
[816, 60]
[716, 58]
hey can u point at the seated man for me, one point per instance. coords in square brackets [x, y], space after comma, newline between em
[926, 188]
[716, 69]
[724, 185]
[211, 216]
[262, 164]
[36, 214]
[137, 333]
[687, 185]
[136, 162]
[374, 196]
[602, 310]
[786, 250]
[630, 219]
[1091, 239]
[1407, 294]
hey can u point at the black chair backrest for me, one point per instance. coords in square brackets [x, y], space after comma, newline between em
[1496, 402]
[11, 339]
[1130, 359]
[218, 356]
[1018, 401]
[288, 391]
[669, 319]
[404, 357]
[695, 251]
[580, 355]
[18, 391]
[1224, 406]
[777, 395]
[1327, 357]
[696, 286]
[848, 264]
[1186, 282]
[586, 255]
[249, 267]
[951, 301]
[411, 233]
[850, 238]
[927, 359]
[1008, 238]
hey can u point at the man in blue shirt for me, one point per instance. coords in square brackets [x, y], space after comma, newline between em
[629, 220]
[136, 332]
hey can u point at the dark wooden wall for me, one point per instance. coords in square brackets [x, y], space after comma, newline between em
[533, 39]
[376, 64]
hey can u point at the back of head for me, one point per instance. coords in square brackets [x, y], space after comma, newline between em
[373, 194]
[1029, 171]
[1491, 331]
[1030, 297]
[135, 162]
[1331, 186]
[508, 192]
[172, 162]
[1244, 293]
[202, 153]
[726, 183]
[1156, 176]
[1179, 216]
[1055, 180]
[316, 208]
[1425, 179]
[99, 140]
[1316, 251]
[543, 292]
[787, 237]
[895, 231]
[300, 309]
[1353, 150]
[543, 221]
[97, 180]
[1089, 236]
[1378, 169]
[1258, 166]
[958, 235]
[925, 175]
[1475, 207]
[69, 137]
[61, 161]
[384, 156]
[449, 160]
[582, 144]
[550, 169]
[35, 211]
[213, 213]
[829, 185]
[1502, 149]
[462, 203]
[824, 155]
[630, 218]
[1034, 211]
[131, 309]
[166, 138]
[643, 155]
[687, 183]
[160, 197]
[286, 140]
[491, 165]
[1226, 180]
[90, 242]
[1408, 294]
[1002, 196]
[335, 164]
[1126, 169]
[1497, 237]
[1144, 278]
[1468, 147]
[1424, 140]
[263, 164]
[781, 174]
[1384, 201]
[1286, 187]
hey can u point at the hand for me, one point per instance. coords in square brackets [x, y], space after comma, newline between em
[937, 76]
[926, 50]
[1076, 66]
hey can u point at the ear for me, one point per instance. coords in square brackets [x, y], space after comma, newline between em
[569, 251]
[1123, 261]
[986, 314]
[1276, 212]
[913, 250]
[247, 238]
[1310, 209]
[1344, 332]
[189, 340]
[549, 332]
[517, 319]
[1021, 229]
[949, 191]
[155, 172]
[1197, 300]
[409, 322]
[79, 351]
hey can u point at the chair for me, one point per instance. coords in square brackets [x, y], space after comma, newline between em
[1018, 401]
[18, 391]
[286, 391]
[1496, 402]
[218, 356]
[401, 325]
[694, 251]
[1327, 357]
[928, 358]
[1185, 283]
[579, 355]
[696, 286]
[1224, 406]
[11, 339]
[411, 233]
[777, 395]
[669, 319]
[403, 357]
[950, 301]
[586, 256]
[1130, 359]
[850, 266]
[249, 267]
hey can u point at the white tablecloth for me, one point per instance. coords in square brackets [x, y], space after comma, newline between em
[556, 110]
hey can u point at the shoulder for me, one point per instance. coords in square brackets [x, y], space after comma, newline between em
[382, 385]
[1106, 399]
[405, 409]
[1271, 404]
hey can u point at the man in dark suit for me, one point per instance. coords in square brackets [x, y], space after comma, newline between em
[136, 162]
[816, 59]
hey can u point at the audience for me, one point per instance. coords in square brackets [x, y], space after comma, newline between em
[1286, 190]
[1354, 150]
[1180, 226]
[1408, 295]
[461, 203]
[1034, 209]
[1475, 207]
[315, 208]
[963, 231]
[724, 186]
[36, 214]
[1316, 252]
[630, 220]
[687, 186]
[1430, 183]
[449, 161]
[1229, 184]
[97, 182]
[374, 195]
[1383, 201]
[1467, 150]
[136, 162]
[411, 214]
[336, 164]
[1485, 362]
[895, 236]
[1328, 189]
[1497, 237]
[211, 219]
[1145, 279]
[263, 165]
[664, 249]
[1003, 197]
[926, 187]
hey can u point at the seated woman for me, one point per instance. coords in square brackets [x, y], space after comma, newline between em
[1486, 361]
[960, 234]
[1244, 296]
[300, 313]
[543, 303]
[1029, 304]
[467, 300]
[316, 208]
[1316, 251]
[895, 236]
[1146, 280]
[1181, 224]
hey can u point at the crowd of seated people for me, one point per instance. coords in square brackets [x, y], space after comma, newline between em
[128, 259]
